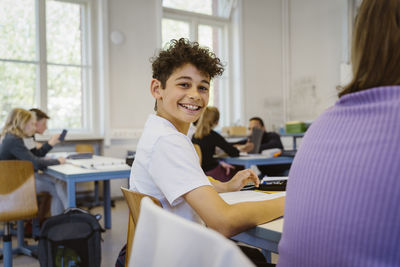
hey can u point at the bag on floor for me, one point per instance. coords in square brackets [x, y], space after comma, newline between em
[71, 239]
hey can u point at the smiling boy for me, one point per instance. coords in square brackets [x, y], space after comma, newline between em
[166, 164]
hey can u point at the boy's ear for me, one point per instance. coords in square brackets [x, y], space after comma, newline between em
[155, 87]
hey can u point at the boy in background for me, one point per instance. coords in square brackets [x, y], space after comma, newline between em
[166, 164]
[38, 149]
[269, 140]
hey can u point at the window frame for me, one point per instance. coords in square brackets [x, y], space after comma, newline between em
[224, 24]
[93, 44]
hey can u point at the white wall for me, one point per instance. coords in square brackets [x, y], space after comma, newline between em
[262, 61]
[130, 71]
[316, 28]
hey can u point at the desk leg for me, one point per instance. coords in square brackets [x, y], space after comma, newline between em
[267, 255]
[107, 204]
[71, 194]
[20, 233]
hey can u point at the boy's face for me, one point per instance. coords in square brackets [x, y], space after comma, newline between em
[255, 124]
[41, 126]
[184, 97]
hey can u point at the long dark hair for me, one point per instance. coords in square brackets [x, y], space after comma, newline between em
[375, 46]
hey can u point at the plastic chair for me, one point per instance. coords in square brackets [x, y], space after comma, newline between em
[133, 200]
[165, 239]
[17, 199]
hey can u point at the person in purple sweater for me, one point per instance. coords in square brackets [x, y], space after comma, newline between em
[344, 189]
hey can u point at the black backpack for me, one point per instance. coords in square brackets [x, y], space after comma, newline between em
[71, 239]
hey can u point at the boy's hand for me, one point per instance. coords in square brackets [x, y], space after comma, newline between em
[54, 139]
[246, 147]
[241, 179]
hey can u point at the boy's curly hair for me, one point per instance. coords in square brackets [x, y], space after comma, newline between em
[180, 52]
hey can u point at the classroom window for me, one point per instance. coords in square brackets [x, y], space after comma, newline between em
[174, 29]
[44, 60]
[181, 19]
[220, 8]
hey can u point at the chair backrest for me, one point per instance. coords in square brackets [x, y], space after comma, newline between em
[165, 239]
[133, 200]
[84, 148]
[86, 186]
[198, 150]
[17, 191]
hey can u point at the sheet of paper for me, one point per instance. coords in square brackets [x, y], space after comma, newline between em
[98, 163]
[244, 196]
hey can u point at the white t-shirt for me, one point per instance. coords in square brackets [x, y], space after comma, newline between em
[166, 167]
[191, 131]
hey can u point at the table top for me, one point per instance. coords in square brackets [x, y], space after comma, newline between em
[99, 167]
[245, 196]
[265, 236]
[275, 225]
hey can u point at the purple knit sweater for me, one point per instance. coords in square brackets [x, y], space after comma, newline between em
[343, 197]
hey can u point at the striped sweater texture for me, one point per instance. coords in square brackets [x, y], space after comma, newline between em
[343, 196]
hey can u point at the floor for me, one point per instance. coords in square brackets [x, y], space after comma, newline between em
[114, 239]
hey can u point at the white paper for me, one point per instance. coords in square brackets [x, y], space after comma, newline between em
[246, 196]
[98, 163]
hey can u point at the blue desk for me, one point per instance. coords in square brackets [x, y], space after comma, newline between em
[265, 236]
[72, 174]
[257, 159]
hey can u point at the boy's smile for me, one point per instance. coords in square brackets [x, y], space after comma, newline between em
[184, 97]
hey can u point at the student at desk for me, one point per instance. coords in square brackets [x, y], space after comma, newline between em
[20, 124]
[269, 140]
[343, 195]
[208, 140]
[36, 148]
[166, 165]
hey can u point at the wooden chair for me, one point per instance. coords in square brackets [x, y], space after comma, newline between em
[17, 198]
[133, 200]
[198, 150]
[87, 187]
[84, 148]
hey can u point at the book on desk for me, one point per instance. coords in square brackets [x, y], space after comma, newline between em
[269, 184]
